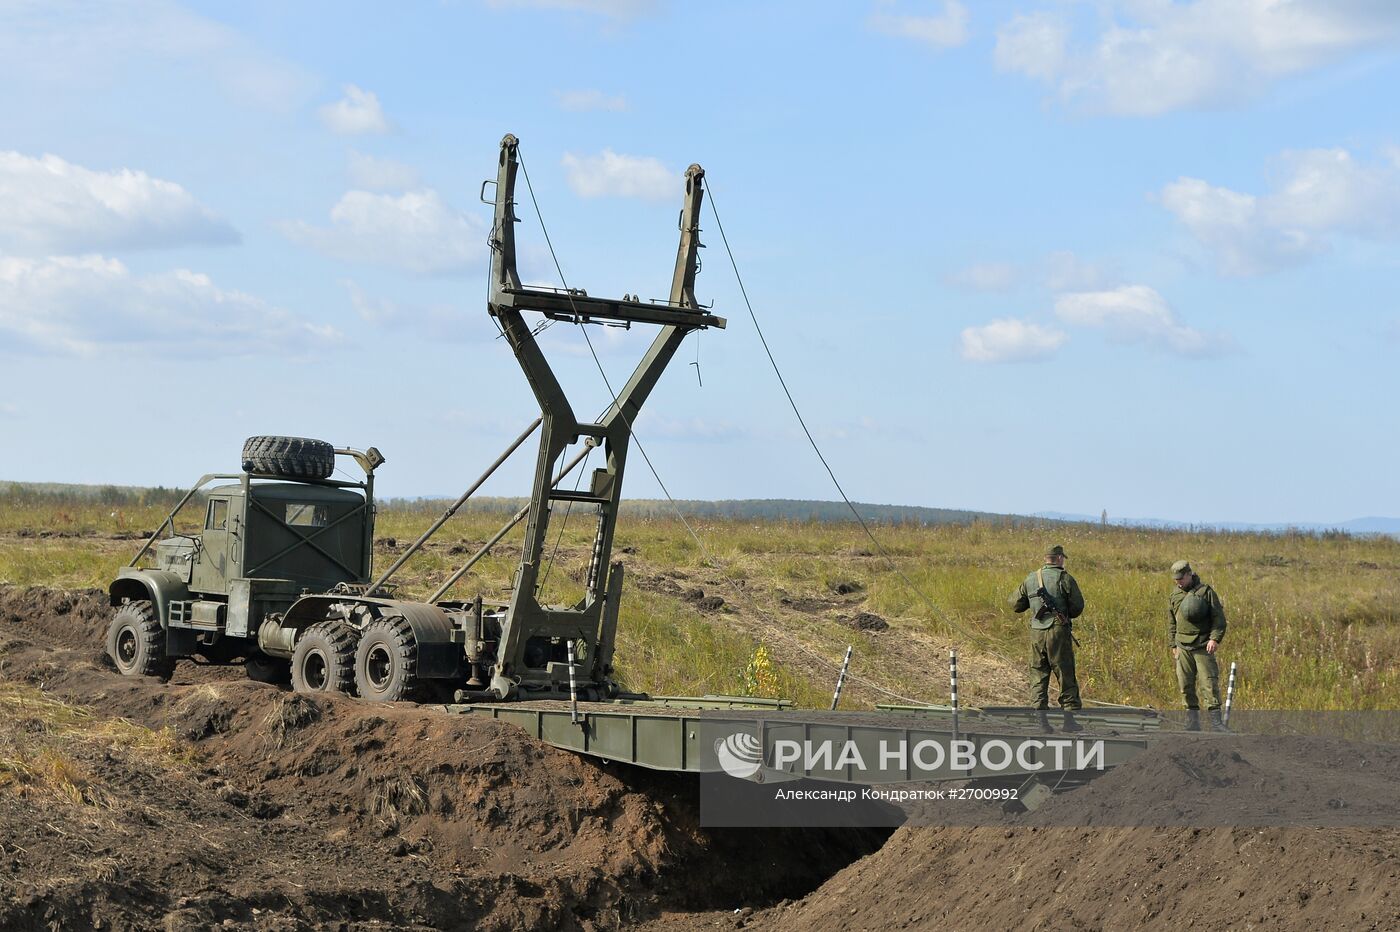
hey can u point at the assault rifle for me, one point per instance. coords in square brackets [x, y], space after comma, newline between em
[1047, 606]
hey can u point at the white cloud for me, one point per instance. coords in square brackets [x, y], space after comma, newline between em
[582, 101]
[443, 323]
[90, 304]
[653, 426]
[380, 174]
[1065, 271]
[611, 174]
[613, 9]
[1321, 194]
[73, 44]
[1033, 44]
[356, 114]
[1058, 271]
[1138, 314]
[986, 276]
[51, 205]
[1154, 56]
[944, 29]
[1010, 340]
[415, 231]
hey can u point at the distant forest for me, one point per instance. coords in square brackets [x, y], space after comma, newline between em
[767, 509]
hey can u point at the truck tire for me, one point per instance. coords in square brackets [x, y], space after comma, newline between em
[136, 643]
[386, 662]
[324, 659]
[262, 668]
[291, 457]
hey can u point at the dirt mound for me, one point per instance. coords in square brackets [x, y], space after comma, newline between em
[1096, 857]
[1243, 780]
[866, 621]
[313, 809]
[1116, 878]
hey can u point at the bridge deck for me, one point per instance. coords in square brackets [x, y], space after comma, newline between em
[678, 734]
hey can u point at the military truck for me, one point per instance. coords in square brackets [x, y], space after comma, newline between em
[282, 529]
[281, 577]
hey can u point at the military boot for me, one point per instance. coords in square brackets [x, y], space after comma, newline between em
[1217, 723]
[1070, 725]
[1042, 718]
[1193, 719]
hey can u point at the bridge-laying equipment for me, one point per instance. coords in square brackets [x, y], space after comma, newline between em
[280, 576]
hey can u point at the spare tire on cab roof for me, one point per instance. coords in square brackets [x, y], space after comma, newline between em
[290, 457]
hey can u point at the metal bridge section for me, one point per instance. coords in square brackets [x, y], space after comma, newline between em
[677, 734]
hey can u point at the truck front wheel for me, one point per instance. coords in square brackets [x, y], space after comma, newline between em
[136, 643]
[324, 659]
[386, 662]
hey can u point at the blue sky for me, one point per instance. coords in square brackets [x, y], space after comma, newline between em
[1138, 256]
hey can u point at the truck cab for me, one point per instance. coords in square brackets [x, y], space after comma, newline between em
[276, 532]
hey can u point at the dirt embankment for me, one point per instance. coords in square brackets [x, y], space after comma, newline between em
[263, 809]
[1100, 857]
[285, 811]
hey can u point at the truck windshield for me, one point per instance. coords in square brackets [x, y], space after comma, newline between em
[303, 514]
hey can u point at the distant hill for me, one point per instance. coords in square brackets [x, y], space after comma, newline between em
[1358, 526]
[758, 509]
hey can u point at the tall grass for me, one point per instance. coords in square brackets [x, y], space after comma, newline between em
[1313, 619]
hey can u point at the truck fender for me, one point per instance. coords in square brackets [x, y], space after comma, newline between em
[161, 587]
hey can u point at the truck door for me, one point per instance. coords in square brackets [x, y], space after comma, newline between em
[212, 560]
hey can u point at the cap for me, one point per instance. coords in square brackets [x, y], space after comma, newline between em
[1180, 568]
[1055, 551]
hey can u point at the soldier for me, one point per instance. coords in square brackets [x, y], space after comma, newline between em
[1197, 628]
[1055, 600]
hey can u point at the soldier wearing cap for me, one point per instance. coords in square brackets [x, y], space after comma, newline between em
[1055, 601]
[1197, 628]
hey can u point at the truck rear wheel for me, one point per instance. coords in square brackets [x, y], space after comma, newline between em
[386, 662]
[324, 659]
[292, 457]
[262, 668]
[136, 643]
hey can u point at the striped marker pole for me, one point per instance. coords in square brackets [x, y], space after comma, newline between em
[573, 687]
[953, 684]
[953, 677]
[1229, 694]
[841, 678]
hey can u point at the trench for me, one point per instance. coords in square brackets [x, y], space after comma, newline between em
[342, 810]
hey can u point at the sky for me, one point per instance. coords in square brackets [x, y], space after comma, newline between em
[1129, 255]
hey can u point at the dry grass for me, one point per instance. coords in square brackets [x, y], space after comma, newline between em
[45, 744]
[1312, 618]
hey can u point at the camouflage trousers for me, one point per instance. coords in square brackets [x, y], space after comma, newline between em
[1052, 650]
[1192, 663]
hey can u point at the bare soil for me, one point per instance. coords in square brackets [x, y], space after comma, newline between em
[310, 812]
[296, 812]
[1163, 841]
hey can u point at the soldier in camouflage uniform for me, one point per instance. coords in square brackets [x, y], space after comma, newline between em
[1052, 640]
[1197, 628]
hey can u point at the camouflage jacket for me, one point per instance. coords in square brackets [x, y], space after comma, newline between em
[1197, 615]
[1065, 597]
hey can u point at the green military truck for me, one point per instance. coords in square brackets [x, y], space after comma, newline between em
[280, 576]
[238, 587]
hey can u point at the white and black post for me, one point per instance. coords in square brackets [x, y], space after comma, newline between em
[573, 687]
[953, 677]
[1229, 695]
[841, 678]
[953, 684]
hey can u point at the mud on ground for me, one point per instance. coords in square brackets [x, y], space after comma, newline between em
[277, 810]
[250, 807]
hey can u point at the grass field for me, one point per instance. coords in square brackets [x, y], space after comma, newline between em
[1312, 618]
